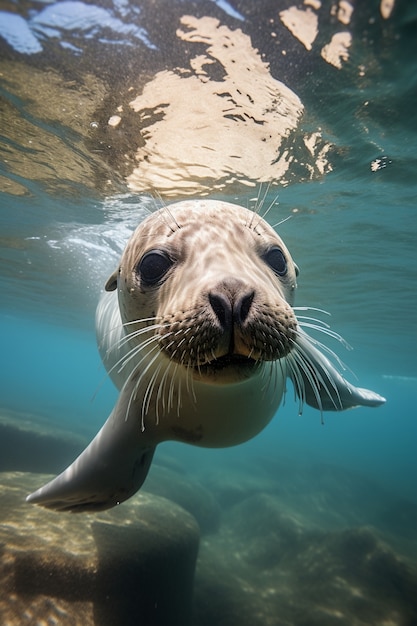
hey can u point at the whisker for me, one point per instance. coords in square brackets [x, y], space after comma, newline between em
[133, 353]
[303, 362]
[298, 381]
[322, 346]
[165, 210]
[271, 377]
[133, 335]
[141, 320]
[147, 397]
[316, 379]
[179, 396]
[120, 326]
[133, 395]
[301, 318]
[171, 388]
[311, 308]
[125, 358]
[326, 330]
[322, 327]
[285, 219]
[160, 399]
[265, 213]
[156, 194]
[261, 198]
[258, 206]
[283, 369]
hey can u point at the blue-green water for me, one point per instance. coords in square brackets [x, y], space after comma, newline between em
[352, 232]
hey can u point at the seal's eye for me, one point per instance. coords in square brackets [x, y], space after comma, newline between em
[276, 261]
[153, 266]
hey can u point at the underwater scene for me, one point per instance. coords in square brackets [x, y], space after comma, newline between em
[274, 429]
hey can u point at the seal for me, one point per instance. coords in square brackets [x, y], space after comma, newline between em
[198, 331]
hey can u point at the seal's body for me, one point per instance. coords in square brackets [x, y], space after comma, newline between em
[198, 332]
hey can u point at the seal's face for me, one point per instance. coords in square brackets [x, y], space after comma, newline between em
[213, 284]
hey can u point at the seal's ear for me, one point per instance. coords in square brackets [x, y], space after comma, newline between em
[297, 269]
[111, 283]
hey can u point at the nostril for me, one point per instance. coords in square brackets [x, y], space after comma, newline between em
[242, 307]
[222, 307]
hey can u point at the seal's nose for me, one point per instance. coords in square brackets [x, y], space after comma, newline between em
[231, 302]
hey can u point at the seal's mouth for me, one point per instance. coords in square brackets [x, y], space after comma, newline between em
[226, 369]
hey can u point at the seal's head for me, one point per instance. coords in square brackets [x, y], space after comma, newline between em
[213, 283]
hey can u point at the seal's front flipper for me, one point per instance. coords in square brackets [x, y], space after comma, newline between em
[110, 470]
[318, 383]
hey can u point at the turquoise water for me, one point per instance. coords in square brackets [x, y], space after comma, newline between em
[352, 232]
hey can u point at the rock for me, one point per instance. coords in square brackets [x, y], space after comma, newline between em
[131, 565]
[187, 492]
[268, 565]
[27, 450]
